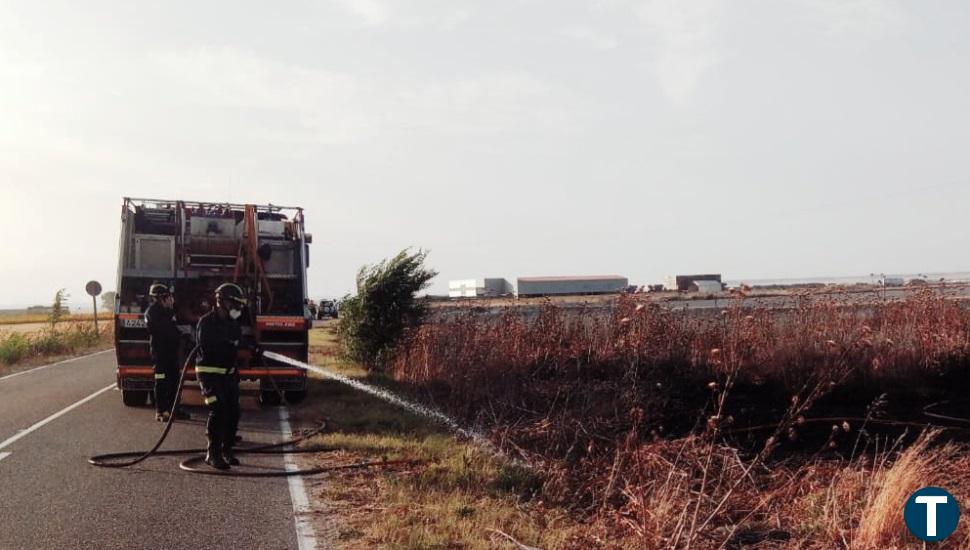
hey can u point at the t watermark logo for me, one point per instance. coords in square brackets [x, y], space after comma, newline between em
[931, 514]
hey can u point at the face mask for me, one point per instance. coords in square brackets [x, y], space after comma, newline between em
[235, 313]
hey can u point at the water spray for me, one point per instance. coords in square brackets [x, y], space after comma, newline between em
[421, 410]
[127, 459]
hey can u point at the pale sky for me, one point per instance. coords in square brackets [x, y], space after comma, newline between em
[758, 139]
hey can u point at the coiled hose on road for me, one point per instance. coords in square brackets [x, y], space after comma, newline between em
[197, 456]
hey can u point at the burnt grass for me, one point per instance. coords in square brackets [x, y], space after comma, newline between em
[580, 392]
[622, 406]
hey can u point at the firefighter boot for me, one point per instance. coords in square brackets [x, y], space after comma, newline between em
[230, 456]
[213, 457]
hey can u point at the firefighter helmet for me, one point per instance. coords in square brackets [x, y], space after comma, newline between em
[158, 290]
[230, 291]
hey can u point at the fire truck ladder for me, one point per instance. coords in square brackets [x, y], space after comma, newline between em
[248, 260]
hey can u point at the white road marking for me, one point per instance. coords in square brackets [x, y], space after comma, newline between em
[35, 369]
[301, 503]
[53, 417]
[4, 455]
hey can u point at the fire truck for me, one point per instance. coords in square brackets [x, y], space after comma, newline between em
[193, 247]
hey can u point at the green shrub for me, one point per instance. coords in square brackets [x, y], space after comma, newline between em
[48, 343]
[13, 347]
[59, 309]
[372, 322]
[80, 336]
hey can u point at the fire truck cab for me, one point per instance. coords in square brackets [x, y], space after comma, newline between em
[194, 247]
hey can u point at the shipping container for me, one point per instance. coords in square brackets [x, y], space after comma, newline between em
[497, 286]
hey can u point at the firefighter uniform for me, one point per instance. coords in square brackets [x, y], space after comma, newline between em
[219, 379]
[164, 340]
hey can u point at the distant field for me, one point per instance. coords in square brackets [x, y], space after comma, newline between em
[20, 318]
[853, 292]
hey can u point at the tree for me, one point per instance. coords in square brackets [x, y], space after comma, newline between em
[373, 321]
[59, 308]
[108, 300]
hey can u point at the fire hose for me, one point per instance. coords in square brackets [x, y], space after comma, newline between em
[197, 455]
[930, 411]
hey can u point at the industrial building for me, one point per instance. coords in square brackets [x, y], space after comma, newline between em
[683, 282]
[549, 286]
[480, 288]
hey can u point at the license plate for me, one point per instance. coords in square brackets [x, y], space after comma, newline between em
[133, 323]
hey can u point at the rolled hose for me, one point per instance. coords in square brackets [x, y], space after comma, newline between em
[197, 455]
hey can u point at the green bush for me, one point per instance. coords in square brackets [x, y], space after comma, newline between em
[80, 336]
[13, 347]
[373, 321]
[48, 343]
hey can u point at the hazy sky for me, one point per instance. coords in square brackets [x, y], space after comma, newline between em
[754, 138]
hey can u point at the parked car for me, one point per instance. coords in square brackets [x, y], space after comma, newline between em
[327, 308]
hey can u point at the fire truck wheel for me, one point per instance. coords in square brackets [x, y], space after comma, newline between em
[269, 398]
[134, 398]
[294, 397]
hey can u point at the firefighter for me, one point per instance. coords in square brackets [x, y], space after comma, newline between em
[218, 377]
[164, 338]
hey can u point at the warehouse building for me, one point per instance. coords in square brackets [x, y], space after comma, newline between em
[480, 288]
[559, 286]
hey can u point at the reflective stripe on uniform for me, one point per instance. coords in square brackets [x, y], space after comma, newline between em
[159, 376]
[210, 400]
[201, 369]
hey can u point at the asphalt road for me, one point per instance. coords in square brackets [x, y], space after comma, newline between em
[51, 498]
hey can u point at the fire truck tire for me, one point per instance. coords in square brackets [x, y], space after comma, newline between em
[295, 397]
[269, 398]
[133, 398]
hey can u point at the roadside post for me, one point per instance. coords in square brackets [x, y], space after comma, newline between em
[93, 288]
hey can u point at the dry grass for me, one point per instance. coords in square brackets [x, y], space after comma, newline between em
[859, 505]
[634, 414]
[28, 348]
[32, 318]
[449, 495]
